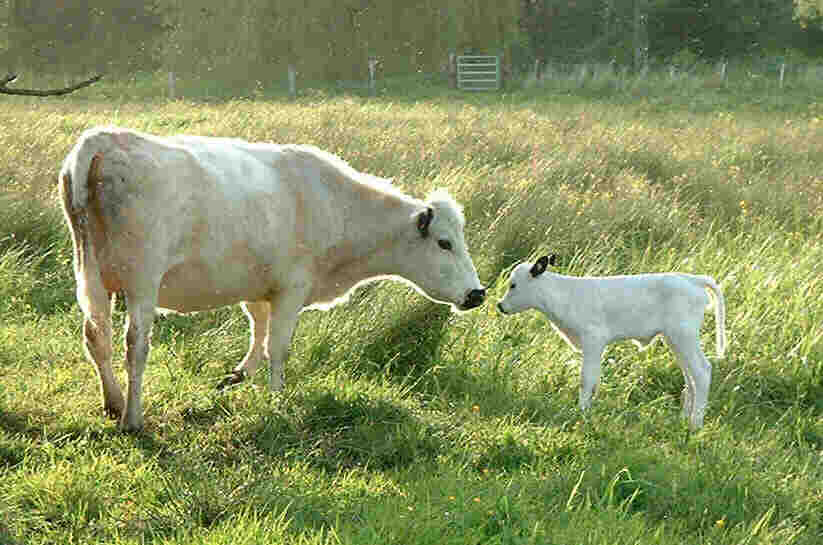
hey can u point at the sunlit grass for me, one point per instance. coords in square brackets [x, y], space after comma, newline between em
[420, 426]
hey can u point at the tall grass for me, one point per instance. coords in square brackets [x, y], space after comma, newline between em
[413, 425]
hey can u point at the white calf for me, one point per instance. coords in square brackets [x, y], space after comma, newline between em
[190, 223]
[591, 312]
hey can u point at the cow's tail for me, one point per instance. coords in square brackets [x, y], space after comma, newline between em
[719, 313]
[82, 163]
[77, 178]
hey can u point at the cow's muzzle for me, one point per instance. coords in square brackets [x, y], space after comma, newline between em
[474, 298]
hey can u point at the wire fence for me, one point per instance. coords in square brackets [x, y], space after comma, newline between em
[773, 75]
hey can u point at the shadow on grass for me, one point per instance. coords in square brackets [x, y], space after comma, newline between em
[401, 345]
[19, 422]
[45, 427]
[409, 346]
[344, 429]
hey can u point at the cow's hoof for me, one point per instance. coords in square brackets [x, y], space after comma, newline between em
[232, 379]
[113, 411]
[134, 426]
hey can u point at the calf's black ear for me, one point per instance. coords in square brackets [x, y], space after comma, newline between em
[423, 221]
[553, 260]
[539, 266]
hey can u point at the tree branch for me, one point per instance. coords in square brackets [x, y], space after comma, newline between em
[38, 93]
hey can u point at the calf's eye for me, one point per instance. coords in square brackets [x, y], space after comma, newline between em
[513, 286]
[445, 244]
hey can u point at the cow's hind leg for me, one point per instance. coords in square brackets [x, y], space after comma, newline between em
[697, 372]
[138, 336]
[97, 337]
[258, 314]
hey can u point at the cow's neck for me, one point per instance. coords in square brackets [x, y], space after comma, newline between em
[371, 249]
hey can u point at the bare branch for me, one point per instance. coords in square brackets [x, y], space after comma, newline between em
[38, 93]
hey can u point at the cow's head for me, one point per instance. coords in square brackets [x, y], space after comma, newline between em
[438, 262]
[521, 293]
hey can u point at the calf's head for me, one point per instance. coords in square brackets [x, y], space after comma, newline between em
[521, 292]
[437, 260]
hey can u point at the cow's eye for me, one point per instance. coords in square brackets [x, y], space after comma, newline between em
[445, 244]
[513, 286]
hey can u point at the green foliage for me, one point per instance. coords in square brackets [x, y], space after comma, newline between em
[85, 35]
[402, 422]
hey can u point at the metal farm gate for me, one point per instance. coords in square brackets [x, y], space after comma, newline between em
[478, 72]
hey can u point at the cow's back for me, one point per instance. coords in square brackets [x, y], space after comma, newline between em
[204, 219]
[214, 221]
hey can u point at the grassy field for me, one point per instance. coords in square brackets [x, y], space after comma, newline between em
[404, 423]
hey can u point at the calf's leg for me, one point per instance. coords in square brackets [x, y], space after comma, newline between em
[697, 372]
[702, 371]
[687, 395]
[590, 372]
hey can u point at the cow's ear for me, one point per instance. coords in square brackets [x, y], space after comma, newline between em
[423, 220]
[539, 266]
[553, 260]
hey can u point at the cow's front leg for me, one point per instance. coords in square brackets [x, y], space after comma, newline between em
[285, 308]
[258, 315]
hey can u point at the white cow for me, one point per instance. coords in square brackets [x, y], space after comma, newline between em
[190, 223]
[591, 312]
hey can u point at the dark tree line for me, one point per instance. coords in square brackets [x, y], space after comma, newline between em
[628, 31]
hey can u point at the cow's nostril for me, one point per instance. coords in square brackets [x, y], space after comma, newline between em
[475, 298]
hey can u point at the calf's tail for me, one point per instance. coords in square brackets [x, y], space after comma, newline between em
[719, 314]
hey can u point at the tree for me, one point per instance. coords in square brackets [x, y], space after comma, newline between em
[61, 37]
[4, 89]
[567, 31]
[721, 27]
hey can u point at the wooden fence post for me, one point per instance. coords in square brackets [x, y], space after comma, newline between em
[583, 74]
[501, 70]
[372, 75]
[453, 70]
[292, 81]
[171, 85]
